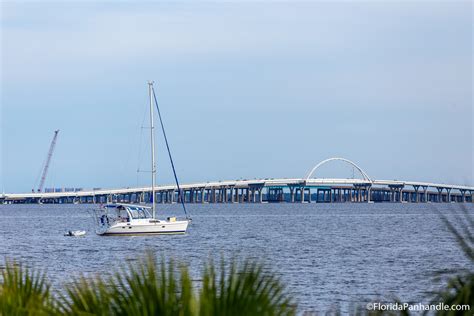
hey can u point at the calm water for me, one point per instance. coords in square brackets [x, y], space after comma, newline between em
[326, 254]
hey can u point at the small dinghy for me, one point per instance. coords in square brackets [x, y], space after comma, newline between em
[75, 233]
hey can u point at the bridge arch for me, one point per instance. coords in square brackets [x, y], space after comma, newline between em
[362, 172]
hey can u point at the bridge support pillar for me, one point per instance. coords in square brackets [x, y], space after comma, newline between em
[425, 193]
[396, 192]
[212, 197]
[448, 195]
[235, 195]
[440, 194]
[417, 195]
[231, 194]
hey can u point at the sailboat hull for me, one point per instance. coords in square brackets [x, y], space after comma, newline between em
[145, 227]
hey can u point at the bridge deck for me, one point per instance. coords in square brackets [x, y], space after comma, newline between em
[265, 190]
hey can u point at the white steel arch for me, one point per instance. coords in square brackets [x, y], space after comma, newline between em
[362, 172]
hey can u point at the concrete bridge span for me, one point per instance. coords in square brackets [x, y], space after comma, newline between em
[294, 190]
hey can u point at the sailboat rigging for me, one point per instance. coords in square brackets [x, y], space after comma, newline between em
[169, 152]
[128, 219]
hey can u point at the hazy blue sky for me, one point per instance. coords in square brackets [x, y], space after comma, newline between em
[246, 89]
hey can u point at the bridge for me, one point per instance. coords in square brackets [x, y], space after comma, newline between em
[298, 190]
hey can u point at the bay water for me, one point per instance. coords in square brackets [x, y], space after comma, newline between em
[327, 255]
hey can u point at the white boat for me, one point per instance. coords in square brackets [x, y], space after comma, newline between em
[128, 219]
[75, 233]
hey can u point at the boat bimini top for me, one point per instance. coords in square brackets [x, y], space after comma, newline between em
[128, 210]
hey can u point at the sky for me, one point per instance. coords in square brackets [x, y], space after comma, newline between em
[247, 90]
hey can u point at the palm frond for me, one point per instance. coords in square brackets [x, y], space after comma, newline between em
[149, 289]
[24, 292]
[460, 286]
[245, 290]
[146, 291]
[464, 234]
[141, 290]
[87, 297]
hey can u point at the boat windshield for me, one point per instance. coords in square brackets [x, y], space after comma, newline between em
[124, 212]
[138, 212]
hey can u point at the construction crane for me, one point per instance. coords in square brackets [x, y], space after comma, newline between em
[48, 160]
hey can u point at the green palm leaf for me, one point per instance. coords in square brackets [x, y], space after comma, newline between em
[143, 290]
[23, 292]
[244, 290]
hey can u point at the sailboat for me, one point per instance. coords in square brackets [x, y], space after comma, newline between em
[129, 219]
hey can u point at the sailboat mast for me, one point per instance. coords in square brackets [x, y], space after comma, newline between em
[152, 139]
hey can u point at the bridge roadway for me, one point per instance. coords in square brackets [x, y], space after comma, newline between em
[308, 189]
[265, 190]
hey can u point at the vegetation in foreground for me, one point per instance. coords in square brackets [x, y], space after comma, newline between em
[242, 289]
[460, 285]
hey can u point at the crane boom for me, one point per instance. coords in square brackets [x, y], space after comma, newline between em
[48, 160]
